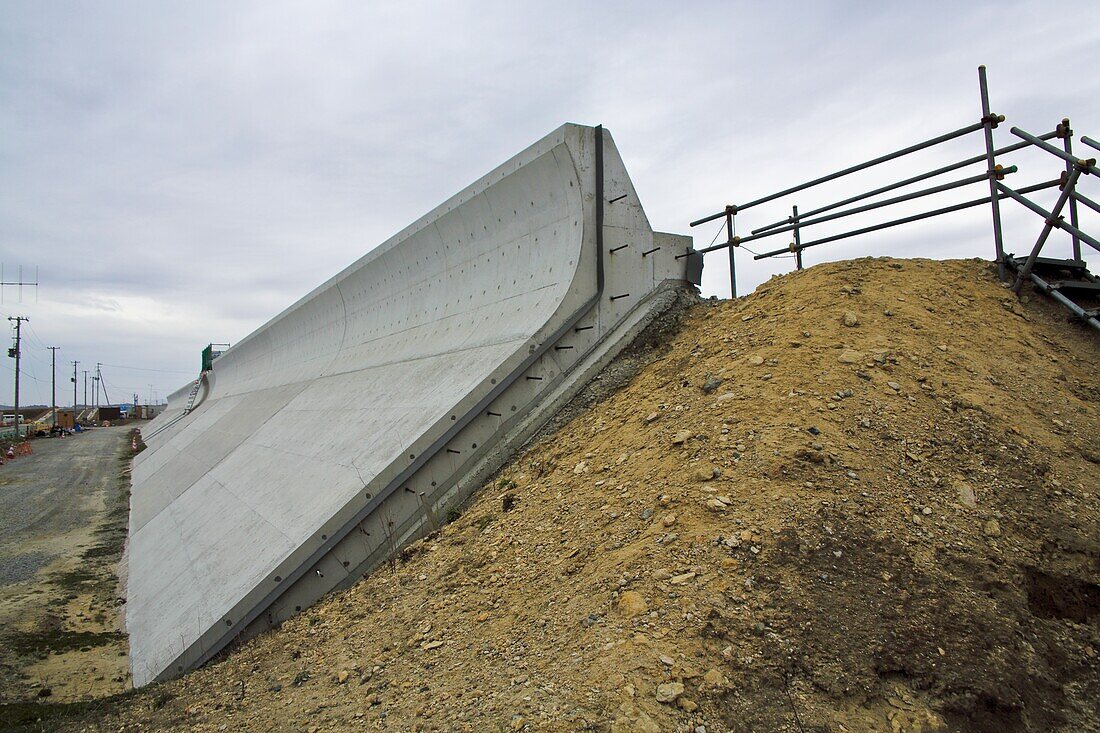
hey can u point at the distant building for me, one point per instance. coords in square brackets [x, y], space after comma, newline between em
[109, 413]
[146, 412]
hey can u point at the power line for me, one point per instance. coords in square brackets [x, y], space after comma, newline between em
[147, 369]
[22, 371]
[34, 336]
[27, 368]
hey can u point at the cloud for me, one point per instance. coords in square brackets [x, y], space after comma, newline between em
[182, 173]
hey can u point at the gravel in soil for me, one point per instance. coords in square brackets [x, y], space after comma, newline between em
[22, 566]
[863, 498]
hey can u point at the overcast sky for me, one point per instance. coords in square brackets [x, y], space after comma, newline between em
[179, 173]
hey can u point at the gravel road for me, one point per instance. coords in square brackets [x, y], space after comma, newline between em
[50, 493]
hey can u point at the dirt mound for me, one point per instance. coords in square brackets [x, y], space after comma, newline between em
[862, 498]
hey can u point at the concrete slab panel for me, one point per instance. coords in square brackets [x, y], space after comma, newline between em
[343, 427]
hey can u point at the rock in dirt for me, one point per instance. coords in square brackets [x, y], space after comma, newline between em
[669, 692]
[967, 497]
[706, 473]
[631, 604]
[631, 719]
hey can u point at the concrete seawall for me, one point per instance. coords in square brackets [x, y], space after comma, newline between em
[352, 422]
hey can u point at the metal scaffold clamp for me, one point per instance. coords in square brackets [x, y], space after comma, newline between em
[992, 119]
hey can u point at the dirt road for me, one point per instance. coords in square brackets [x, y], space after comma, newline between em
[63, 517]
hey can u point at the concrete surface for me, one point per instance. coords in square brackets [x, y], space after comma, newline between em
[343, 428]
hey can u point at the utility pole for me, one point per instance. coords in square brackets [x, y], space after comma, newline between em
[53, 380]
[74, 392]
[85, 403]
[102, 384]
[14, 353]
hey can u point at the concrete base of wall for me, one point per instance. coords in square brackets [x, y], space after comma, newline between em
[646, 312]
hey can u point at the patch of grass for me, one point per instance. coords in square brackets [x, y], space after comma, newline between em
[76, 580]
[99, 551]
[56, 641]
[31, 717]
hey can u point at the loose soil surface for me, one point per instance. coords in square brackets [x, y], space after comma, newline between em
[63, 518]
[863, 498]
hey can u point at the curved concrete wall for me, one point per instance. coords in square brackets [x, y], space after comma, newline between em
[339, 430]
[177, 406]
